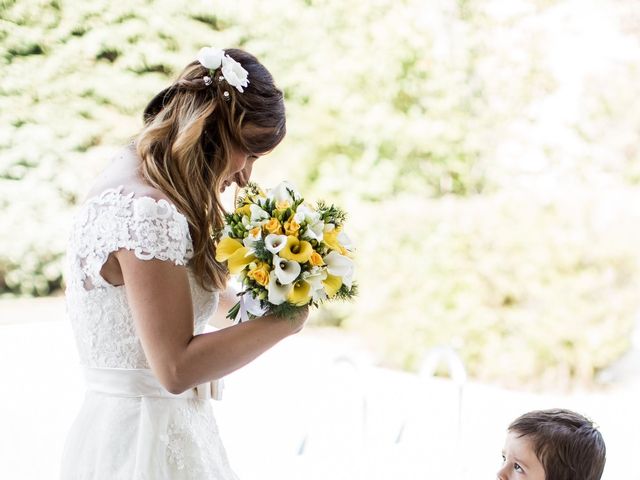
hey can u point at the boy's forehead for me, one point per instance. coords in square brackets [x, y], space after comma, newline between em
[520, 446]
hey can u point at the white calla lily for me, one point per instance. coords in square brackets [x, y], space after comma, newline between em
[274, 243]
[347, 280]
[345, 241]
[339, 265]
[286, 270]
[277, 293]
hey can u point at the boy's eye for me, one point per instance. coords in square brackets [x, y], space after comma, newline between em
[518, 468]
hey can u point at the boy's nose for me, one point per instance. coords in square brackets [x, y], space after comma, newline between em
[502, 474]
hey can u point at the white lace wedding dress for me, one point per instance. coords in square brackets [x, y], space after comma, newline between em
[129, 427]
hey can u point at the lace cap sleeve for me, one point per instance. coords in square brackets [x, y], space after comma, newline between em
[150, 228]
[158, 230]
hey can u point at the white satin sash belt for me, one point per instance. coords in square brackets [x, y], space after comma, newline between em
[141, 382]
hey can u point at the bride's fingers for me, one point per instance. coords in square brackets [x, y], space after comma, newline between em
[301, 315]
[295, 320]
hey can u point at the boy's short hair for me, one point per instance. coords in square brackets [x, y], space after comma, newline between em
[567, 444]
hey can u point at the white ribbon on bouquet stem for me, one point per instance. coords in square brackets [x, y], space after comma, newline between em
[248, 304]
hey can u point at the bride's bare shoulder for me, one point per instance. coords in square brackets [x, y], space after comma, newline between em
[123, 171]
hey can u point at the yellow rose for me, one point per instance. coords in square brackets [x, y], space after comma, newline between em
[260, 274]
[297, 250]
[291, 227]
[273, 226]
[283, 205]
[316, 259]
[254, 231]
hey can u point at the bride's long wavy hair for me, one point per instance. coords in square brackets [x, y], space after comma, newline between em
[190, 130]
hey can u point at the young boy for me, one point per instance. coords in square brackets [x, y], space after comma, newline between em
[552, 445]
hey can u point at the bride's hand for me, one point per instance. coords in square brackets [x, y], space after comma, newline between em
[297, 320]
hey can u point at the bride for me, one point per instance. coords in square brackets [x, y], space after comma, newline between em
[142, 280]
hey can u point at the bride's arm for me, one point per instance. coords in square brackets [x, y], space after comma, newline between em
[160, 299]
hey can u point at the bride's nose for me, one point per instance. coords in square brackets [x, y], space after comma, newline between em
[241, 178]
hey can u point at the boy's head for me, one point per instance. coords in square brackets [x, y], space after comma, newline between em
[552, 445]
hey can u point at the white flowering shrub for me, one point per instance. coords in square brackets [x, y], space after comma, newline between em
[433, 120]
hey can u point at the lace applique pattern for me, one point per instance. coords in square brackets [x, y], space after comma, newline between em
[192, 442]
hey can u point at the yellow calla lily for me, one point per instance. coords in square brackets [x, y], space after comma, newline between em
[331, 285]
[300, 293]
[226, 248]
[239, 260]
[297, 250]
[244, 210]
[331, 239]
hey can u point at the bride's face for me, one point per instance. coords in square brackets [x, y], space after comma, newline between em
[241, 165]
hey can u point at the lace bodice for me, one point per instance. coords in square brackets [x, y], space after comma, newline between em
[102, 322]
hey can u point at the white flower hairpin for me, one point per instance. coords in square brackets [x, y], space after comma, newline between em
[232, 72]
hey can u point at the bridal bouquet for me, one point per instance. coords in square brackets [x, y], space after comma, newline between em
[285, 252]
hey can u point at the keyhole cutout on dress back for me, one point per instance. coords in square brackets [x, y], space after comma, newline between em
[111, 271]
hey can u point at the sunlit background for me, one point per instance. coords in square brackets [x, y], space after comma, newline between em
[488, 154]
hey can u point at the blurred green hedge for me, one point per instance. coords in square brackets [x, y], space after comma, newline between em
[527, 289]
[422, 118]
